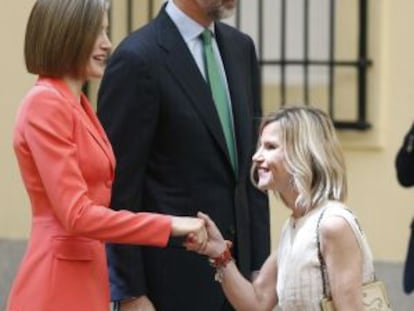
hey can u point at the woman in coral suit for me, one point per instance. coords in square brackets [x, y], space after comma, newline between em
[67, 166]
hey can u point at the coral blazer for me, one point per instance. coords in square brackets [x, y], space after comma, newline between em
[67, 166]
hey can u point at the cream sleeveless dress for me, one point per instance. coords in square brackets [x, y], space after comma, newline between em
[299, 280]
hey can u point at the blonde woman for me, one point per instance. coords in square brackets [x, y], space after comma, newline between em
[300, 160]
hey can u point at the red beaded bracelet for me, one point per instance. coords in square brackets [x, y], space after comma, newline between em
[221, 261]
[224, 258]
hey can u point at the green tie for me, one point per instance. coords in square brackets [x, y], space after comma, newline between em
[218, 90]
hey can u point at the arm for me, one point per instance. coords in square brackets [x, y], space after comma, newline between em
[49, 134]
[246, 296]
[343, 258]
[242, 294]
[128, 109]
[404, 162]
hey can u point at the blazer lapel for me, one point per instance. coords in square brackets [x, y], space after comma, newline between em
[182, 66]
[86, 115]
[94, 128]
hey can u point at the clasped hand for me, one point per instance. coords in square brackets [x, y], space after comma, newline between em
[209, 241]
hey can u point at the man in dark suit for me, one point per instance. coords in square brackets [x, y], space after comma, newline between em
[157, 107]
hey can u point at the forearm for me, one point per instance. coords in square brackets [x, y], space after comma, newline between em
[240, 292]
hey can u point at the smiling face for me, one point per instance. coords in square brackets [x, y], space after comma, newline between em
[101, 49]
[270, 161]
[300, 158]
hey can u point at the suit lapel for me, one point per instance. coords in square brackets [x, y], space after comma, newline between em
[235, 80]
[183, 67]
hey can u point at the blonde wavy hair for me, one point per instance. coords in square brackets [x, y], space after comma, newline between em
[314, 157]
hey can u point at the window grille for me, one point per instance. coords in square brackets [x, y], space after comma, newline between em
[297, 44]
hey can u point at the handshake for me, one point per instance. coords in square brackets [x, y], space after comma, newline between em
[202, 235]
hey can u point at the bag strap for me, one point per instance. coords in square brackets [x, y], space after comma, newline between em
[320, 257]
[323, 268]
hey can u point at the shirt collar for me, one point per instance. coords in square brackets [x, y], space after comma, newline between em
[187, 27]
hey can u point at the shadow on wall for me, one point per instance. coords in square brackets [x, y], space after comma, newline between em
[11, 253]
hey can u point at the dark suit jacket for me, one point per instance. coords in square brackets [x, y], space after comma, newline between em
[172, 158]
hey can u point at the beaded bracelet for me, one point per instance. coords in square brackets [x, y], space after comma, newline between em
[221, 261]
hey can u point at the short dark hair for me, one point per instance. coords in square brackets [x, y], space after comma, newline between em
[60, 35]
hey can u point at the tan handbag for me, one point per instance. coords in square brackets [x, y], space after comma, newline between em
[374, 294]
[374, 297]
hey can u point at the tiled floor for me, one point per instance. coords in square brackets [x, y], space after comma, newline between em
[391, 273]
